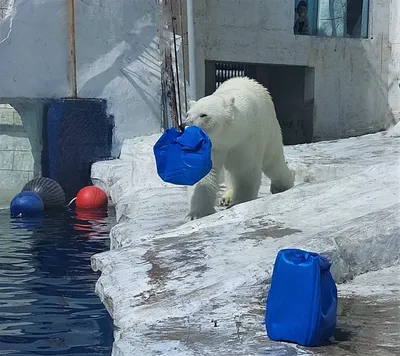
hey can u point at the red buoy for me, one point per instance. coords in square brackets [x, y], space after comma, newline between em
[91, 198]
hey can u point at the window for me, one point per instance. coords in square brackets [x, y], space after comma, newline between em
[335, 18]
[304, 17]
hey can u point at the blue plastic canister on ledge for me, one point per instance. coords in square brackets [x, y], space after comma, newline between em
[183, 158]
[302, 300]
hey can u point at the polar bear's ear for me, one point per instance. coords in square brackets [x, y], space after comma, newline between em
[191, 103]
[230, 103]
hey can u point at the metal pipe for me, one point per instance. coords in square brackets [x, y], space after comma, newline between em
[177, 74]
[183, 54]
[173, 19]
[71, 13]
[192, 49]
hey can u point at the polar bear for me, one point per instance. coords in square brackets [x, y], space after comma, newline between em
[240, 119]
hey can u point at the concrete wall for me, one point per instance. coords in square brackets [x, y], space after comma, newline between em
[17, 164]
[394, 65]
[117, 57]
[351, 75]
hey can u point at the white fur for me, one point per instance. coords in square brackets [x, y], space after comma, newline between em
[241, 121]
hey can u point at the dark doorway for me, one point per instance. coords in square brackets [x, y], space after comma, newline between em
[291, 88]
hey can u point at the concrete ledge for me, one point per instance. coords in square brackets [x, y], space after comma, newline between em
[164, 281]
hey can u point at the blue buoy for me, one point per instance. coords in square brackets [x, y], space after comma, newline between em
[302, 300]
[183, 158]
[26, 204]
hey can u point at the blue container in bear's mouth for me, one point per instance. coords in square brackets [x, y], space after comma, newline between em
[183, 158]
[302, 300]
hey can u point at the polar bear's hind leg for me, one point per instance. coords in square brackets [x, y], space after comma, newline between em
[282, 178]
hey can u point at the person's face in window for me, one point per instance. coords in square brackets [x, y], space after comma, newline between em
[302, 11]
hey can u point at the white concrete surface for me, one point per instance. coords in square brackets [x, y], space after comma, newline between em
[383, 284]
[117, 57]
[356, 80]
[164, 281]
[394, 131]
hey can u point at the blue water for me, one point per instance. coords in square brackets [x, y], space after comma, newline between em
[47, 300]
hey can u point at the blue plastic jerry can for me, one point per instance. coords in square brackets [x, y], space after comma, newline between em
[183, 158]
[302, 300]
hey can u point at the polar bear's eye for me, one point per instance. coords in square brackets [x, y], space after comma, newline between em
[203, 115]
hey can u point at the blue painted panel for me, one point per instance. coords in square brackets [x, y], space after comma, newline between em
[77, 133]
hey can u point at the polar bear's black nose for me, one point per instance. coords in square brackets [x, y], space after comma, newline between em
[182, 126]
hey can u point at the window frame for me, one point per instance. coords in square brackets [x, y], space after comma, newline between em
[314, 24]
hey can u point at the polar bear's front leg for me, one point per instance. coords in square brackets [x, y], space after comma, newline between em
[227, 197]
[203, 196]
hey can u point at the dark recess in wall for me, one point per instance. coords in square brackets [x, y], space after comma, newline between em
[291, 88]
[76, 133]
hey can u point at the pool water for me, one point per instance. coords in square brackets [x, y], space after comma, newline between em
[47, 300]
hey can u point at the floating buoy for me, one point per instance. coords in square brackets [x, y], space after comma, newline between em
[49, 190]
[91, 198]
[26, 204]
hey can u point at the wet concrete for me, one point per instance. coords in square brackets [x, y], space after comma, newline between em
[366, 327]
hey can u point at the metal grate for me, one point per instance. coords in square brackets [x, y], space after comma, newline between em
[225, 71]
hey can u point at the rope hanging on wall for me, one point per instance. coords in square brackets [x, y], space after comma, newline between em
[183, 155]
[183, 52]
[173, 25]
[71, 13]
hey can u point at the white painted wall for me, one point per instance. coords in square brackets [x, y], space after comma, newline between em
[117, 57]
[394, 65]
[351, 75]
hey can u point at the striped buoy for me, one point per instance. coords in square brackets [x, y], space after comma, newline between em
[49, 190]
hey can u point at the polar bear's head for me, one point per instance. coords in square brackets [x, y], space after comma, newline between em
[213, 114]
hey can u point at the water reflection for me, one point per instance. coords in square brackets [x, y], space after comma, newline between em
[47, 300]
[91, 223]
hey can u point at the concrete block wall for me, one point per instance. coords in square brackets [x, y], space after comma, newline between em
[394, 66]
[16, 159]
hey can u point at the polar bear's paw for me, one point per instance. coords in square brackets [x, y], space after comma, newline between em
[279, 187]
[194, 215]
[226, 199]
